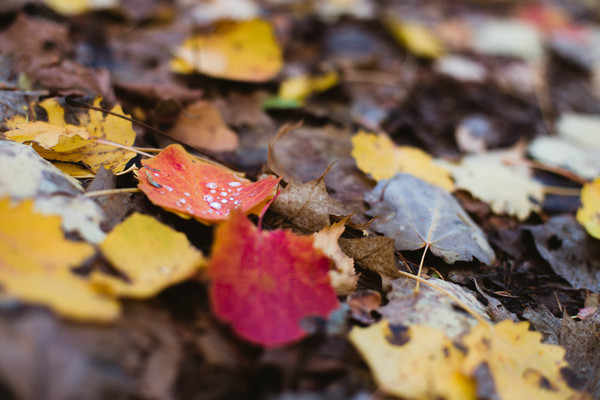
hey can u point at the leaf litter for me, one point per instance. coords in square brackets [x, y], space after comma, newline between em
[279, 329]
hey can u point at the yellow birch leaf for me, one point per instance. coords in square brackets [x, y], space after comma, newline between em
[85, 149]
[35, 262]
[48, 136]
[343, 278]
[241, 51]
[378, 156]
[424, 364]
[589, 214]
[151, 255]
[520, 366]
[417, 38]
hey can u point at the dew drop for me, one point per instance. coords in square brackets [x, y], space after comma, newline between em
[208, 198]
[169, 188]
[223, 194]
[236, 202]
[231, 198]
[163, 270]
[224, 201]
[187, 194]
[211, 185]
[162, 192]
[215, 205]
[182, 201]
[229, 190]
[155, 174]
[213, 191]
[235, 184]
[239, 189]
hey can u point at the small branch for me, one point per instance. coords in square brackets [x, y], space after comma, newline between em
[108, 192]
[421, 267]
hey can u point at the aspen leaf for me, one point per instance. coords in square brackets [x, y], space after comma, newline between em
[415, 213]
[516, 361]
[507, 189]
[417, 362]
[589, 213]
[151, 255]
[73, 145]
[378, 156]
[343, 277]
[189, 187]
[265, 283]
[242, 51]
[35, 260]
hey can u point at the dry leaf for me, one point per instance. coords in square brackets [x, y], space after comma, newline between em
[375, 253]
[242, 51]
[415, 213]
[201, 126]
[417, 362]
[343, 277]
[150, 254]
[379, 156]
[78, 7]
[589, 213]
[417, 38]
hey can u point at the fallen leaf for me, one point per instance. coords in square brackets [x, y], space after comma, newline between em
[299, 88]
[201, 126]
[507, 189]
[379, 156]
[415, 213]
[242, 51]
[343, 277]
[417, 38]
[509, 38]
[362, 305]
[333, 9]
[150, 254]
[265, 283]
[54, 192]
[571, 253]
[190, 187]
[78, 7]
[589, 213]
[415, 362]
[374, 253]
[36, 261]
[431, 308]
[75, 148]
[517, 363]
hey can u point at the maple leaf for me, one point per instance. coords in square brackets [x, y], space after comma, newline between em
[35, 265]
[589, 213]
[63, 142]
[265, 283]
[243, 51]
[343, 277]
[151, 255]
[517, 363]
[189, 187]
[379, 156]
[417, 214]
[417, 362]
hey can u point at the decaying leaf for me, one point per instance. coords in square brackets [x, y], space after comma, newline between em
[35, 259]
[415, 362]
[189, 187]
[54, 193]
[343, 277]
[507, 189]
[374, 253]
[379, 156]
[589, 214]
[265, 283]
[571, 253]
[201, 126]
[150, 254]
[72, 145]
[517, 363]
[306, 206]
[415, 213]
[243, 51]
[431, 308]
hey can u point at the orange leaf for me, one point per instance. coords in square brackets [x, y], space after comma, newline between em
[189, 187]
[266, 283]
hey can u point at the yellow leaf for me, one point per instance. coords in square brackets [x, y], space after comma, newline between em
[589, 214]
[77, 7]
[151, 255]
[48, 136]
[417, 38]
[77, 144]
[343, 277]
[302, 86]
[424, 364]
[242, 51]
[35, 262]
[520, 366]
[378, 156]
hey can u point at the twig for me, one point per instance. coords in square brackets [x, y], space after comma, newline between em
[108, 192]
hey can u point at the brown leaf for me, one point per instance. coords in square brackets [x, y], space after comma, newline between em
[375, 253]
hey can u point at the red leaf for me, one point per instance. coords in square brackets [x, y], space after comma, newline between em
[189, 187]
[265, 282]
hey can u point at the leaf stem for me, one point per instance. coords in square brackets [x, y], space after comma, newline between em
[562, 191]
[108, 192]
[421, 267]
[122, 146]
